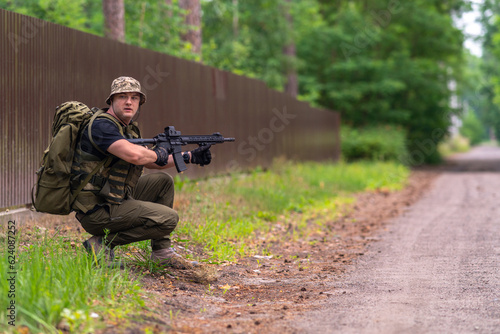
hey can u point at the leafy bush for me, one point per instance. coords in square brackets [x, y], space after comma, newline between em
[383, 143]
[455, 144]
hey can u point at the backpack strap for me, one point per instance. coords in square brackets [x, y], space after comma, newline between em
[101, 113]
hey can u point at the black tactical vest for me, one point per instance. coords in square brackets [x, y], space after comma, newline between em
[113, 182]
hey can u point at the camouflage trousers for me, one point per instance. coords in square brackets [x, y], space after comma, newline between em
[148, 216]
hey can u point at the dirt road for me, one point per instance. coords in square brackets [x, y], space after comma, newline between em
[436, 269]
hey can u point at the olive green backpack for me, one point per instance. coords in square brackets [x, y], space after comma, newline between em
[53, 187]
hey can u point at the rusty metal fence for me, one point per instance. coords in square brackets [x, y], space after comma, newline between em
[43, 64]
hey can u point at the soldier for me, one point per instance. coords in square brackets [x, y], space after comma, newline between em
[119, 206]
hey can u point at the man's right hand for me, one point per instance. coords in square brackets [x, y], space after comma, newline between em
[162, 154]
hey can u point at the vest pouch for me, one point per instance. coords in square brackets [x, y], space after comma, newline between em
[134, 174]
[106, 192]
[86, 201]
[106, 188]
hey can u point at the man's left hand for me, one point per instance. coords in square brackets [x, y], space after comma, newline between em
[201, 156]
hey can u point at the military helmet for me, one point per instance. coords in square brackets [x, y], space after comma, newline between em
[126, 85]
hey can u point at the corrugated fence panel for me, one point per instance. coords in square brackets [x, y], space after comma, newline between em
[43, 65]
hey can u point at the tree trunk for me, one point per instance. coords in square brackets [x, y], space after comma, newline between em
[169, 4]
[141, 23]
[235, 18]
[193, 20]
[292, 84]
[114, 19]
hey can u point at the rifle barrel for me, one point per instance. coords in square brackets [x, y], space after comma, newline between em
[184, 140]
[141, 141]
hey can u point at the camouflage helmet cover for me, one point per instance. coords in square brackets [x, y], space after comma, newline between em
[126, 85]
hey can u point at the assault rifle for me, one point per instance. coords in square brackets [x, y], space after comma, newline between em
[174, 142]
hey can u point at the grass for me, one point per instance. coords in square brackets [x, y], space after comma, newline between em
[56, 283]
[226, 217]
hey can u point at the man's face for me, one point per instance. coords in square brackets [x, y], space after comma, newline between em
[125, 105]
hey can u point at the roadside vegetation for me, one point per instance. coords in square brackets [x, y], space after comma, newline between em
[223, 219]
[376, 143]
[231, 216]
[56, 283]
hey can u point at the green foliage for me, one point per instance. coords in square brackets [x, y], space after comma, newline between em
[77, 14]
[475, 92]
[55, 281]
[472, 129]
[247, 38]
[377, 62]
[150, 24]
[383, 143]
[485, 97]
[158, 26]
[382, 62]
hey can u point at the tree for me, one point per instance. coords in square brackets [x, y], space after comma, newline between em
[158, 25]
[377, 62]
[489, 86]
[72, 14]
[114, 19]
[192, 19]
[385, 62]
[292, 84]
[246, 37]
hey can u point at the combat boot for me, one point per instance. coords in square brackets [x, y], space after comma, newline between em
[168, 257]
[94, 246]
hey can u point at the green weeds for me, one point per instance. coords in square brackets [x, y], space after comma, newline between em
[58, 284]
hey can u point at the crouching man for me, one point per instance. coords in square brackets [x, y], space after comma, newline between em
[119, 205]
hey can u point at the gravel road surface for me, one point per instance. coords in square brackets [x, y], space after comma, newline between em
[435, 269]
